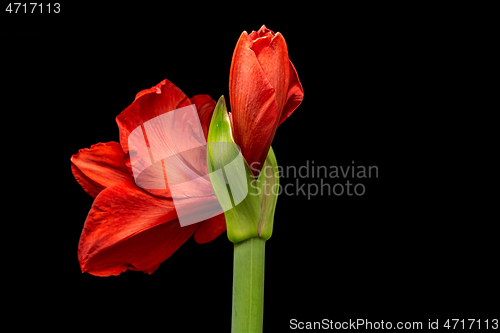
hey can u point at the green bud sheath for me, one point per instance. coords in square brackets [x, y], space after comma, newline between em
[248, 203]
[268, 183]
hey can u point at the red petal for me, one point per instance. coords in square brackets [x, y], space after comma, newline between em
[275, 65]
[149, 103]
[260, 43]
[272, 52]
[295, 94]
[99, 167]
[253, 103]
[127, 228]
[263, 32]
[205, 107]
[210, 229]
[154, 89]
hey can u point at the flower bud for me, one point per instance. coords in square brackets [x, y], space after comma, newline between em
[248, 203]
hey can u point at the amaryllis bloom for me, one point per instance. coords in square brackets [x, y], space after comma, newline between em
[264, 90]
[129, 227]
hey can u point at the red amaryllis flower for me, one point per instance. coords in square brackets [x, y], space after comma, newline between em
[264, 90]
[129, 227]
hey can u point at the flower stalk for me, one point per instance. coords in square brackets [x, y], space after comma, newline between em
[248, 204]
[248, 286]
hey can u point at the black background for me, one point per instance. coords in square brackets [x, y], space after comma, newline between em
[373, 79]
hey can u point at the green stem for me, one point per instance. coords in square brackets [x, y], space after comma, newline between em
[248, 286]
